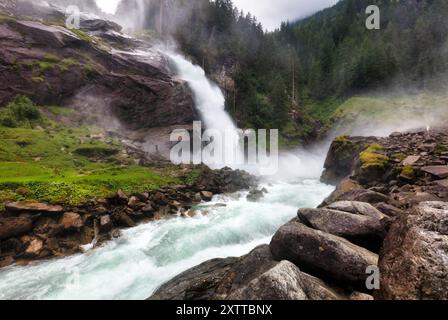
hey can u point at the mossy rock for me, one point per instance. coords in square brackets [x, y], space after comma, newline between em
[96, 151]
[441, 148]
[373, 164]
[408, 173]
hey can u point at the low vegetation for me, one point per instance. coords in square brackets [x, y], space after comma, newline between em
[43, 160]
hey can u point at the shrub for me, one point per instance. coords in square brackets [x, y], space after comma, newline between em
[19, 112]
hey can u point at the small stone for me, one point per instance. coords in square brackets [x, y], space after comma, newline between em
[71, 220]
[34, 248]
[148, 208]
[206, 195]
[133, 202]
[105, 223]
[411, 160]
[121, 195]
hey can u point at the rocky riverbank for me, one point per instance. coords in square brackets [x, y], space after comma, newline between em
[381, 234]
[32, 231]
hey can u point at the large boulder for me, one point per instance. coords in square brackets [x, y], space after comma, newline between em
[414, 259]
[14, 227]
[364, 231]
[198, 283]
[322, 254]
[285, 281]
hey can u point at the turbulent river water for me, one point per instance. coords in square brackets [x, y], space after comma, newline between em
[143, 258]
[136, 264]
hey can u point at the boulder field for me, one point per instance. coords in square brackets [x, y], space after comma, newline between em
[382, 234]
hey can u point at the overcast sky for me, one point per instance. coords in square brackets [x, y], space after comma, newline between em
[269, 12]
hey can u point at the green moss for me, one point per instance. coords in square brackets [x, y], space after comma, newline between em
[82, 35]
[60, 111]
[192, 176]
[342, 139]
[51, 58]
[374, 147]
[399, 156]
[408, 172]
[441, 148]
[370, 158]
[38, 79]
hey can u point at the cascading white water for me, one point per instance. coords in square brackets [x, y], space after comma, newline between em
[210, 102]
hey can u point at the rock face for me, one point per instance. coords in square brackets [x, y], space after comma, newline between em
[322, 254]
[414, 259]
[95, 70]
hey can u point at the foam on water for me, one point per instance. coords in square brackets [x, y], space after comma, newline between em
[135, 265]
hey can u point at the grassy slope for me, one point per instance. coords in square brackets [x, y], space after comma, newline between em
[375, 114]
[40, 163]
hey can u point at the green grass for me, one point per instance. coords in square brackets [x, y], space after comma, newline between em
[393, 111]
[60, 111]
[43, 164]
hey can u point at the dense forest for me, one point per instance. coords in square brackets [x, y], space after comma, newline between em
[286, 79]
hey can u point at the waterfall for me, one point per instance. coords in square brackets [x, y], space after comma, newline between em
[210, 103]
[141, 14]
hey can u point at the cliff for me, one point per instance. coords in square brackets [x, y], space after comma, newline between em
[96, 69]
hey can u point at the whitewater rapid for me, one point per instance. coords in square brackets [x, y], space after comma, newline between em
[136, 264]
